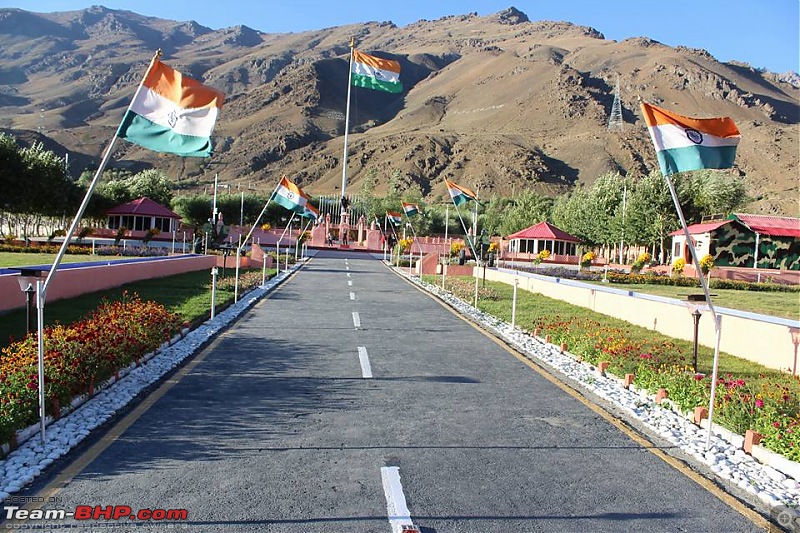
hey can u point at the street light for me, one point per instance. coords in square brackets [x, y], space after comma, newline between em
[696, 310]
[27, 284]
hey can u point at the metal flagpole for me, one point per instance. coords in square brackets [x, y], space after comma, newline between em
[622, 234]
[41, 287]
[709, 303]
[249, 234]
[346, 131]
[385, 241]
[278, 244]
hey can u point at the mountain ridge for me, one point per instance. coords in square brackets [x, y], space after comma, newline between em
[499, 103]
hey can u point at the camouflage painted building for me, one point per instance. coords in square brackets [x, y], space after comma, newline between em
[755, 241]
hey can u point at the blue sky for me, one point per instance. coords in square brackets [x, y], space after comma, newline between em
[763, 33]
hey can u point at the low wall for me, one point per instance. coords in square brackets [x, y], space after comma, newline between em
[71, 282]
[763, 339]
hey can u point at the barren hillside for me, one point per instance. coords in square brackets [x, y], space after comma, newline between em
[498, 103]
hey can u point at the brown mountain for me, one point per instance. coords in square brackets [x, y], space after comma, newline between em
[498, 103]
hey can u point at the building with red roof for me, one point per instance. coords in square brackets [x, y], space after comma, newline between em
[143, 215]
[744, 240]
[542, 236]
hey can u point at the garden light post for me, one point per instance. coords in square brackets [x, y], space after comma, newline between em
[27, 284]
[696, 314]
[795, 340]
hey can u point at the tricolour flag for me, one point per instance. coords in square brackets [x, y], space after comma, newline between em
[375, 73]
[310, 212]
[458, 193]
[685, 143]
[291, 196]
[394, 218]
[172, 113]
[410, 209]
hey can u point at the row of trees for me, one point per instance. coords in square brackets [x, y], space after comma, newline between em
[39, 194]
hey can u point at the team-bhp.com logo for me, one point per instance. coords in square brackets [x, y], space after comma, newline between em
[787, 517]
[97, 512]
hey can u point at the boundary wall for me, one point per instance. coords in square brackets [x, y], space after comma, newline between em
[71, 282]
[771, 341]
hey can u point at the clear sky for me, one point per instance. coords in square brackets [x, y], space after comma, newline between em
[763, 33]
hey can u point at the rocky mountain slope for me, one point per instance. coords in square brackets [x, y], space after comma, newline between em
[499, 103]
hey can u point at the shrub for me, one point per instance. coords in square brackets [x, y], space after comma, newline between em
[706, 263]
[678, 266]
[78, 356]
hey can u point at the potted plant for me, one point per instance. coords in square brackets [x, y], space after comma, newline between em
[541, 256]
[587, 258]
[678, 266]
[640, 262]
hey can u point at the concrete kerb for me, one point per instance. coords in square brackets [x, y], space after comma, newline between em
[589, 375]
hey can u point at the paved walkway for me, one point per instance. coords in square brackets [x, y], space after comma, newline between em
[348, 388]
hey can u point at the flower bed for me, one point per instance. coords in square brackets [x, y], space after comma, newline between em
[768, 406]
[78, 356]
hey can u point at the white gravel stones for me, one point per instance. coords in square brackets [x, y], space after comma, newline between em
[725, 459]
[22, 465]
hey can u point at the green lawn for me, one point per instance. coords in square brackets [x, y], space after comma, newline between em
[781, 304]
[531, 306]
[13, 259]
[188, 294]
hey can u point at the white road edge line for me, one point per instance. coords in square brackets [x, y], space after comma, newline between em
[363, 357]
[352, 296]
[396, 507]
[356, 320]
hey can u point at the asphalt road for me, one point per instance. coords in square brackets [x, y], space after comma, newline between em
[276, 428]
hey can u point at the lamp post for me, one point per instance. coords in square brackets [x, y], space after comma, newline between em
[27, 284]
[696, 316]
[29, 291]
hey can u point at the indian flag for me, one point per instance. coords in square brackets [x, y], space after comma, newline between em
[291, 196]
[375, 73]
[394, 218]
[310, 212]
[459, 194]
[685, 143]
[172, 113]
[410, 209]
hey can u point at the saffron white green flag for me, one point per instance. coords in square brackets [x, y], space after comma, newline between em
[375, 73]
[459, 194]
[684, 143]
[291, 197]
[172, 113]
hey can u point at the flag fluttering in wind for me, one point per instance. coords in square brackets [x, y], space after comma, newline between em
[685, 143]
[394, 218]
[172, 113]
[410, 209]
[291, 197]
[375, 73]
[459, 194]
[310, 211]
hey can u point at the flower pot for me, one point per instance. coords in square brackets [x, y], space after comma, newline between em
[602, 366]
[661, 395]
[700, 413]
[536, 332]
[628, 380]
[751, 438]
[547, 339]
[563, 347]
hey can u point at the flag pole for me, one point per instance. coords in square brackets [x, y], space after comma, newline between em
[346, 136]
[41, 287]
[385, 242]
[242, 243]
[717, 319]
[278, 244]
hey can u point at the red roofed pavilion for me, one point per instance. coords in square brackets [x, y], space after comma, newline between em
[142, 215]
[542, 236]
